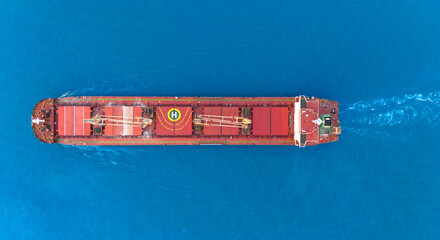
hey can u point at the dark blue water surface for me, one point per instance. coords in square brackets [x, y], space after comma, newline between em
[379, 59]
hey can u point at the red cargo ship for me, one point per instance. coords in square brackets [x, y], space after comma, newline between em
[300, 121]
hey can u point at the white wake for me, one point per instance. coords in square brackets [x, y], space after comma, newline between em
[392, 116]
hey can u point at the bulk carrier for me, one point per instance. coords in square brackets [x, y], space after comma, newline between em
[86, 120]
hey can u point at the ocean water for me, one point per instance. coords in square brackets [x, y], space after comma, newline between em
[379, 59]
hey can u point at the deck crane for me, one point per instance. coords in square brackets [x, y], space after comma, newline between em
[222, 121]
[119, 121]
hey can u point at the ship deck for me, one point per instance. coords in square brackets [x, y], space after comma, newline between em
[173, 120]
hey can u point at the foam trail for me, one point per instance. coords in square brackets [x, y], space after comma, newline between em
[68, 94]
[390, 116]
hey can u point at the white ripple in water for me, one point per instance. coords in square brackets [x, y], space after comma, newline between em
[389, 116]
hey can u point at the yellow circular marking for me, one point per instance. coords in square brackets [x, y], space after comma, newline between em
[174, 114]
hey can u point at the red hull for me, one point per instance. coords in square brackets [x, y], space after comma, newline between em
[300, 121]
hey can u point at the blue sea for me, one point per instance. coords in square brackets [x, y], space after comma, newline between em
[379, 59]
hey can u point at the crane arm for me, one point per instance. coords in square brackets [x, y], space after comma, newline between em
[221, 121]
[104, 120]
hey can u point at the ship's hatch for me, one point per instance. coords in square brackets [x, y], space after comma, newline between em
[71, 121]
[174, 121]
[212, 128]
[270, 121]
[119, 120]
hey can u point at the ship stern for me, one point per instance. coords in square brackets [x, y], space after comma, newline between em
[316, 121]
